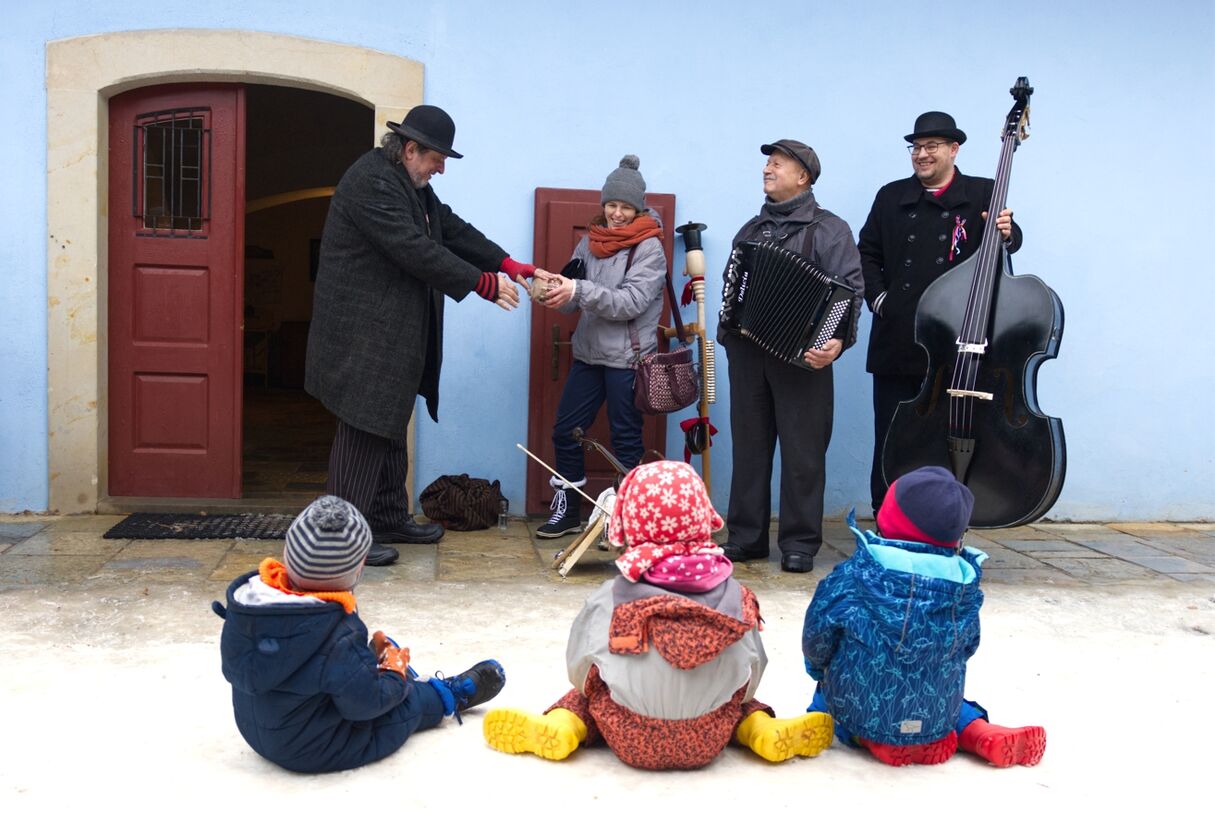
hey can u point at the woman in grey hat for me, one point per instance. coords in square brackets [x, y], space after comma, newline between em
[618, 285]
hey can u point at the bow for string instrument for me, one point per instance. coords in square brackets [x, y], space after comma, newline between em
[986, 333]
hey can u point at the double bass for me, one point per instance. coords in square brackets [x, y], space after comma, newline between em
[986, 333]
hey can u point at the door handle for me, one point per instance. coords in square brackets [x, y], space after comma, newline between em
[557, 343]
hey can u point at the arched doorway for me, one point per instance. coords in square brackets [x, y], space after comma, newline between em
[83, 74]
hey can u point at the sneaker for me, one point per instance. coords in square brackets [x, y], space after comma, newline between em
[471, 687]
[567, 515]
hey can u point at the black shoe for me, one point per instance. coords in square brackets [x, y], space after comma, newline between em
[476, 685]
[378, 555]
[736, 553]
[567, 515]
[797, 563]
[411, 533]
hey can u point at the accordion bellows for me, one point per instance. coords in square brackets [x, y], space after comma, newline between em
[782, 301]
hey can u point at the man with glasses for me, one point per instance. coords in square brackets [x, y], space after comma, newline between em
[918, 228]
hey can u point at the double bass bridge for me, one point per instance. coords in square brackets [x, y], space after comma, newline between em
[982, 396]
[971, 347]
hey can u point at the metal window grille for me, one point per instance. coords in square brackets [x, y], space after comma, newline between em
[171, 187]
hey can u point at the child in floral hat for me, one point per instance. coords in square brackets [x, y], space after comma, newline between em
[309, 692]
[666, 657]
[889, 631]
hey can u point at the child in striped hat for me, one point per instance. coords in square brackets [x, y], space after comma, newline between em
[309, 691]
[665, 658]
[889, 631]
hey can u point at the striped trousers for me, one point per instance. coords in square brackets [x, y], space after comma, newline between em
[369, 472]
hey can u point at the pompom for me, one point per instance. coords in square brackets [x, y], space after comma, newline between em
[630, 162]
[329, 514]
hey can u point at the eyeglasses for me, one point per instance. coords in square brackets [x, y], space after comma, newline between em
[928, 147]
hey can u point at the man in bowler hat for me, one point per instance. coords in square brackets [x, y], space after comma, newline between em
[919, 228]
[390, 253]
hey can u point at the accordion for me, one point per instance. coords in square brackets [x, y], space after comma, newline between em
[782, 301]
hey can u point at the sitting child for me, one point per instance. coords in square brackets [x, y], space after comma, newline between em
[889, 631]
[665, 658]
[308, 691]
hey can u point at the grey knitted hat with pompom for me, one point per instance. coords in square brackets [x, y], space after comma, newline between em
[625, 184]
[326, 546]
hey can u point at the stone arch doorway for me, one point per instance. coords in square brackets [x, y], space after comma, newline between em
[82, 75]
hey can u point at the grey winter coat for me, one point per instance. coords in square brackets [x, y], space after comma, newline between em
[609, 298]
[388, 256]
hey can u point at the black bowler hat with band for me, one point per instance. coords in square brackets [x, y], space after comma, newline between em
[806, 156]
[936, 123]
[431, 127]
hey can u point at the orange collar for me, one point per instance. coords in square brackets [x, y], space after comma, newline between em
[274, 573]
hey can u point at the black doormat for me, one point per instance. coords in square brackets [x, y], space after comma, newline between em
[201, 526]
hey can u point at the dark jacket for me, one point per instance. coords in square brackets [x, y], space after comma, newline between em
[306, 691]
[388, 256]
[889, 647]
[829, 246]
[905, 245]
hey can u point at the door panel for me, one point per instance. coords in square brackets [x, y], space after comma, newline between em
[562, 219]
[176, 232]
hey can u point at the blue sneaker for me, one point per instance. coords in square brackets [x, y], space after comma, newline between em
[470, 688]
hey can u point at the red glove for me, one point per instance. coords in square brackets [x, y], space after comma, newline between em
[515, 269]
[487, 286]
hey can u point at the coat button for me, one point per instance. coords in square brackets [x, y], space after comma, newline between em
[907, 262]
[911, 238]
[945, 214]
[941, 237]
[911, 215]
[906, 286]
[940, 260]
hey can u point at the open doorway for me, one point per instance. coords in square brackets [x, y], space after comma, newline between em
[298, 144]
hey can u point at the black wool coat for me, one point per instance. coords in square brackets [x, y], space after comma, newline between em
[389, 254]
[904, 247]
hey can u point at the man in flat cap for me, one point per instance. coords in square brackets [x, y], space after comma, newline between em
[771, 399]
[390, 253]
[919, 228]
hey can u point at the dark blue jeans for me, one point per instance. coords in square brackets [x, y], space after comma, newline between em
[586, 389]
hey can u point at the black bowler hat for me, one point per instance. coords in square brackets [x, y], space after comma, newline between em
[936, 123]
[430, 126]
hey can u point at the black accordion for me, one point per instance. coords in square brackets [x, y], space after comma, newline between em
[782, 301]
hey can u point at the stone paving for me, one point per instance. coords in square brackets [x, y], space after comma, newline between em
[48, 550]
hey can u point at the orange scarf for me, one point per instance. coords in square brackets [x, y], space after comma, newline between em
[605, 242]
[274, 574]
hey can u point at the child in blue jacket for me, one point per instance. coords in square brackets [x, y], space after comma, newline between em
[889, 631]
[308, 690]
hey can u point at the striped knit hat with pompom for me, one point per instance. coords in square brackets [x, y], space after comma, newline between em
[326, 546]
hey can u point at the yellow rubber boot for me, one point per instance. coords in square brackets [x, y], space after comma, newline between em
[554, 735]
[776, 740]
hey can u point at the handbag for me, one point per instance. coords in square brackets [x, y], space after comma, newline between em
[463, 503]
[663, 382]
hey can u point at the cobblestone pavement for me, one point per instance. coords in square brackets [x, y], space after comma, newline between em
[42, 550]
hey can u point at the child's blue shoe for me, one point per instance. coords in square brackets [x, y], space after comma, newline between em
[469, 688]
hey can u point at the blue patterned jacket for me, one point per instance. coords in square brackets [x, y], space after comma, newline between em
[888, 634]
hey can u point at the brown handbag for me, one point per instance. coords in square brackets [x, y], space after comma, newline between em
[663, 382]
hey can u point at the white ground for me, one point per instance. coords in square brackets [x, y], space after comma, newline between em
[111, 695]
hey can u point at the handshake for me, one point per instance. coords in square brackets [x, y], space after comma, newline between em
[548, 289]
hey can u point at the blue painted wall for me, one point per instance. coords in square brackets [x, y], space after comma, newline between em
[1109, 190]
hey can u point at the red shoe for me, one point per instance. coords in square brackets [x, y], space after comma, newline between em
[930, 753]
[1002, 746]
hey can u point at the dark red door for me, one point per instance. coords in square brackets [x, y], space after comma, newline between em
[176, 237]
[562, 219]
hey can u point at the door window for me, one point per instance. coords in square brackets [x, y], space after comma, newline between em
[171, 187]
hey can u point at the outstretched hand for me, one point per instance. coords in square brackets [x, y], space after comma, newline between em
[508, 294]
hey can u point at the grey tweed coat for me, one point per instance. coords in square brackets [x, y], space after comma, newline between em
[389, 254]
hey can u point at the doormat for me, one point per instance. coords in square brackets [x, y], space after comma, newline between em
[201, 526]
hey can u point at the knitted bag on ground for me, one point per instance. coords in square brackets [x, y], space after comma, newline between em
[462, 503]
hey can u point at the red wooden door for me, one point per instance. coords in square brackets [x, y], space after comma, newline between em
[562, 219]
[176, 238]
